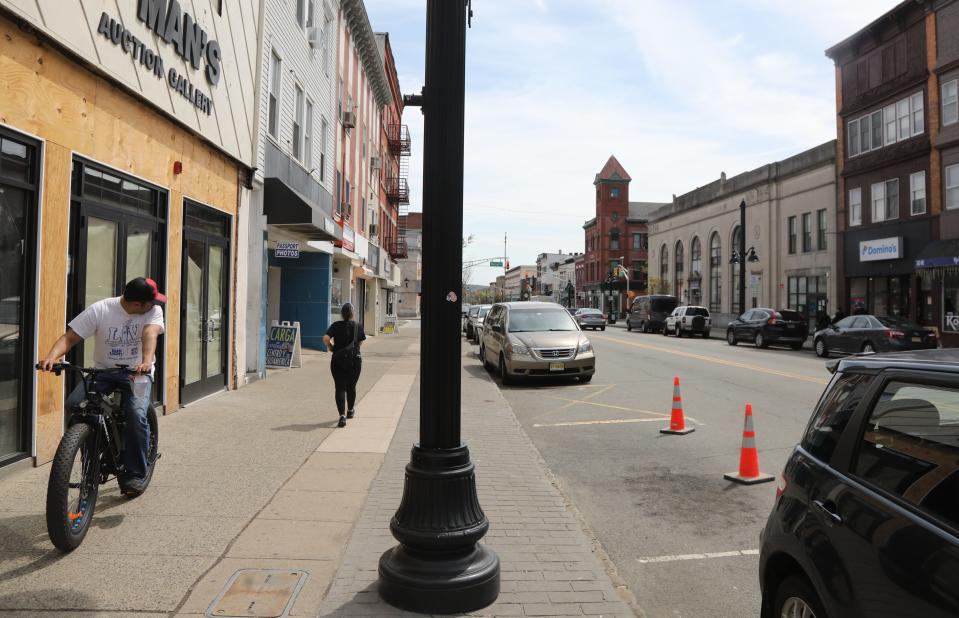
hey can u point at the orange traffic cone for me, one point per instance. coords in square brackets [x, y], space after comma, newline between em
[677, 422]
[749, 473]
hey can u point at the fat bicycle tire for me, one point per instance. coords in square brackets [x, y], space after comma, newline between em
[66, 530]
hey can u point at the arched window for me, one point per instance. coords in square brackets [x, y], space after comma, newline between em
[734, 272]
[678, 283]
[695, 272]
[663, 269]
[715, 273]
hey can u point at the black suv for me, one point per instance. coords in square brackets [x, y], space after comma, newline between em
[866, 518]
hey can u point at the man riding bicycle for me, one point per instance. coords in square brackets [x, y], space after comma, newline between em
[126, 330]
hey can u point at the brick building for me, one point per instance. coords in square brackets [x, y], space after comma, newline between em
[898, 161]
[616, 235]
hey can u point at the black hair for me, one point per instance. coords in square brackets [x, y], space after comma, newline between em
[347, 311]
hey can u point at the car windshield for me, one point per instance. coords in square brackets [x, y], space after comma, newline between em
[484, 311]
[536, 320]
[894, 322]
[792, 316]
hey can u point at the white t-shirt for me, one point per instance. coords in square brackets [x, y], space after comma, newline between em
[119, 335]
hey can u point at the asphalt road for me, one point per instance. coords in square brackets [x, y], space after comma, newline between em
[682, 538]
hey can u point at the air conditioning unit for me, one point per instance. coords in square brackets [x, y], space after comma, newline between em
[375, 163]
[349, 119]
[315, 37]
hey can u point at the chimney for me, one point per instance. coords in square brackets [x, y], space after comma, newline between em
[722, 177]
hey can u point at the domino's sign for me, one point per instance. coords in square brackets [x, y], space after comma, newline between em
[880, 249]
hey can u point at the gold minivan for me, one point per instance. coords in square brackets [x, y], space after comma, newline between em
[529, 339]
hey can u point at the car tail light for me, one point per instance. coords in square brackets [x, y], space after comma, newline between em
[931, 335]
[773, 319]
[781, 484]
[604, 316]
[895, 334]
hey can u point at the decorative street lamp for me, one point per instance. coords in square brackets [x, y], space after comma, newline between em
[742, 256]
[439, 567]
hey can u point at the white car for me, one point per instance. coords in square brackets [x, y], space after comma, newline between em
[688, 320]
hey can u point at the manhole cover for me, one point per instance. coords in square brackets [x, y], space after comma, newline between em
[258, 593]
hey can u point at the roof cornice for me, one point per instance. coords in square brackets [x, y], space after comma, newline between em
[359, 24]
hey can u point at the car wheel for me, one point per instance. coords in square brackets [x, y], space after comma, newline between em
[795, 597]
[731, 337]
[760, 340]
[482, 355]
[503, 373]
[602, 328]
[868, 348]
[665, 330]
[585, 379]
[821, 350]
[644, 328]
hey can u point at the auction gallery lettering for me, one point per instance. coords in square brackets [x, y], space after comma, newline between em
[189, 40]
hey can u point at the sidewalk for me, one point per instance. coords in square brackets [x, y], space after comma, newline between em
[257, 493]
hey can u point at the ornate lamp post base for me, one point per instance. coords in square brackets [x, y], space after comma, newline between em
[439, 567]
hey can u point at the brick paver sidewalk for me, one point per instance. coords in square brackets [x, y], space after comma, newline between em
[548, 566]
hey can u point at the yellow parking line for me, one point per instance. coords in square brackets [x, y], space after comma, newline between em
[605, 405]
[715, 360]
[605, 422]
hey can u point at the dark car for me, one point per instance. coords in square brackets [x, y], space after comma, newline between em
[873, 333]
[866, 517]
[649, 313]
[764, 327]
[590, 318]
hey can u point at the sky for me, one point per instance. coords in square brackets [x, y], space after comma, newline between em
[678, 90]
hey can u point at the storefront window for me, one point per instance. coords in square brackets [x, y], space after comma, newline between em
[857, 294]
[878, 306]
[950, 303]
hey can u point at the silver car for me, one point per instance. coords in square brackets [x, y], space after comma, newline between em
[590, 318]
[478, 322]
[528, 339]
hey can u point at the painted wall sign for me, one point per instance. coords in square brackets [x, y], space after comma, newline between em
[189, 40]
[880, 249]
[287, 249]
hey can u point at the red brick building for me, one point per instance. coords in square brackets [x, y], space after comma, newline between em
[616, 235]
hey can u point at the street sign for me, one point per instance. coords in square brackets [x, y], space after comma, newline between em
[500, 264]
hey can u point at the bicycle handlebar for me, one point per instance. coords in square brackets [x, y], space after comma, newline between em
[58, 368]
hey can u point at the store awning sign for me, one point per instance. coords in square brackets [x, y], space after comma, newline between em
[287, 249]
[880, 249]
[937, 262]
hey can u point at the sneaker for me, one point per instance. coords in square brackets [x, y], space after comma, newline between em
[342, 422]
[350, 413]
[132, 487]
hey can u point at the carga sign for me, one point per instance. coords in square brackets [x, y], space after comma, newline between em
[880, 249]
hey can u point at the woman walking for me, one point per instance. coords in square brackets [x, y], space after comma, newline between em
[343, 339]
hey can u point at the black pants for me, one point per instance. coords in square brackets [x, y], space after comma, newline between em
[345, 382]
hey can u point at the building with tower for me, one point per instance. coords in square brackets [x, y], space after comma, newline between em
[615, 236]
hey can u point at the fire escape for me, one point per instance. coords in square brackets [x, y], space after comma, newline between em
[398, 188]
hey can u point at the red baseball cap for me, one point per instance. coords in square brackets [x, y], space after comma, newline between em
[143, 290]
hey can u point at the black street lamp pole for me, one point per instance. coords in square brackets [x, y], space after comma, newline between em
[742, 256]
[439, 567]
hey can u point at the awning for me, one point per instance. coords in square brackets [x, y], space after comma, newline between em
[939, 254]
[287, 210]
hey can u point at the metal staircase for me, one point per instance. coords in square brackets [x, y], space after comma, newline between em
[398, 188]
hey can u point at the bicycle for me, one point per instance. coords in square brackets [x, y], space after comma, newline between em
[90, 454]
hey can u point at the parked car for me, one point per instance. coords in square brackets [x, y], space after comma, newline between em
[873, 333]
[590, 318]
[866, 517]
[648, 313]
[478, 321]
[688, 320]
[765, 327]
[535, 340]
[465, 314]
[470, 318]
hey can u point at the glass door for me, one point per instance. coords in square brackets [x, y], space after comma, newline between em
[203, 352]
[18, 208]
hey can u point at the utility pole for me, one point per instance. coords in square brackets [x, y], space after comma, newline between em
[439, 567]
[742, 256]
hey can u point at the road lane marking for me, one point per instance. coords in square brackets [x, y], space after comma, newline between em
[590, 396]
[704, 556]
[605, 422]
[605, 405]
[715, 360]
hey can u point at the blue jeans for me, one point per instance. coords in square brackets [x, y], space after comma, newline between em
[136, 436]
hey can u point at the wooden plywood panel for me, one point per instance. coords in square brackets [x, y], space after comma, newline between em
[174, 281]
[53, 294]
